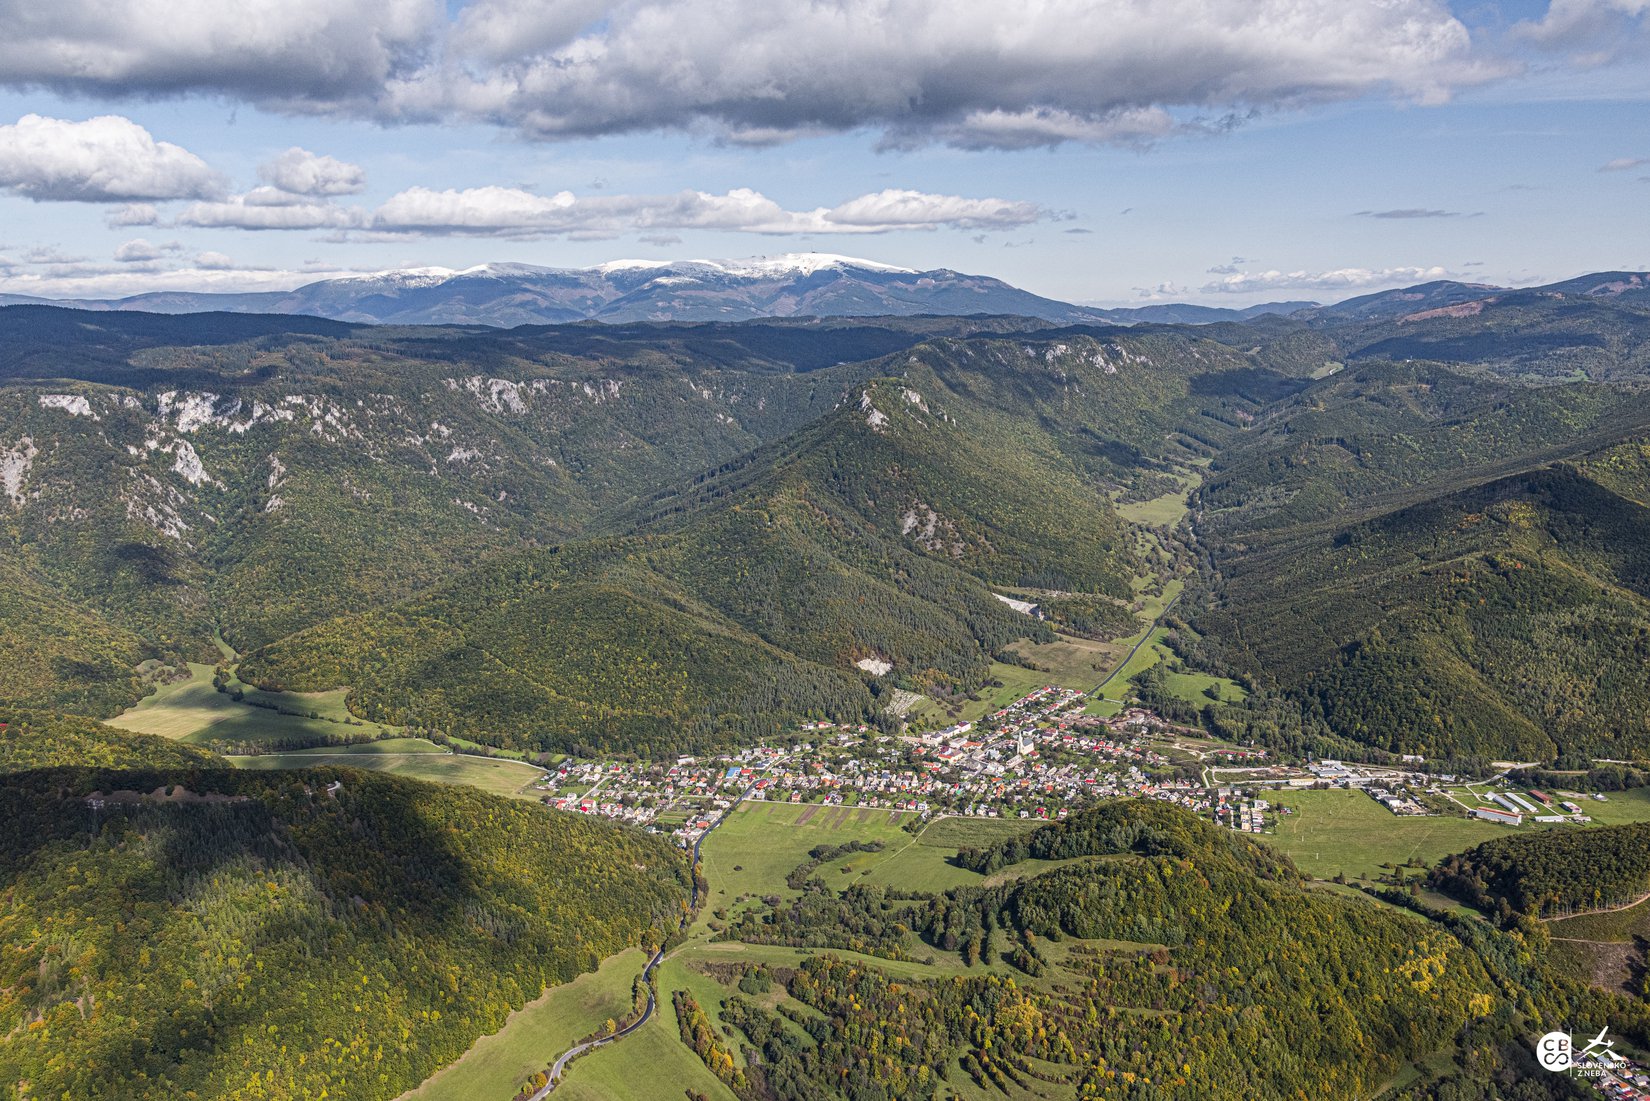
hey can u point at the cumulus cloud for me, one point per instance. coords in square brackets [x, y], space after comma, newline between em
[1623, 164]
[104, 159]
[257, 210]
[1589, 32]
[140, 251]
[132, 214]
[974, 73]
[1341, 279]
[507, 212]
[971, 72]
[302, 53]
[300, 172]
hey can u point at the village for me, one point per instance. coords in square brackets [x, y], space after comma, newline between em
[1039, 757]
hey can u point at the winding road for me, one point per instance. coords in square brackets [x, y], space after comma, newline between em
[559, 1068]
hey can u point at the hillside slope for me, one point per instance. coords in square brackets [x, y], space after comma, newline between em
[1165, 958]
[1414, 595]
[874, 535]
[327, 933]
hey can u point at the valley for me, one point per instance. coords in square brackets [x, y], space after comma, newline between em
[1040, 712]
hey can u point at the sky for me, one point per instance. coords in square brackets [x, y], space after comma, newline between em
[1108, 152]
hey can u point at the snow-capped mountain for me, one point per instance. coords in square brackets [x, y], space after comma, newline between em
[809, 284]
[796, 285]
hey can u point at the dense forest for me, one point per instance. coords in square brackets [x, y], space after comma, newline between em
[1553, 872]
[876, 533]
[47, 739]
[1372, 559]
[231, 934]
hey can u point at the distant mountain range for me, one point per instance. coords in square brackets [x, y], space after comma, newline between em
[798, 285]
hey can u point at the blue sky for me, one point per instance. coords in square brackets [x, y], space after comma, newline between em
[1101, 151]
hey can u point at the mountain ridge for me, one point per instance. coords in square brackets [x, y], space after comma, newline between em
[790, 285]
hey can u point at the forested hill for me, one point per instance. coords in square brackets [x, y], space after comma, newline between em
[43, 739]
[266, 485]
[1375, 561]
[878, 533]
[1554, 872]
[1165, 958]
[222, 933]
[482, 530]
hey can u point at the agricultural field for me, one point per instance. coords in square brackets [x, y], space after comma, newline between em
[1069, 662]
[500, 777]
[193, 711]
[755, 849]
[1012, 682]
[497, 1065]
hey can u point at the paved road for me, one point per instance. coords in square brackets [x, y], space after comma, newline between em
[1145, 638]
[559, 1068]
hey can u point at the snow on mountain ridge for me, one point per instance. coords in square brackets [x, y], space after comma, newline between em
[756, 267]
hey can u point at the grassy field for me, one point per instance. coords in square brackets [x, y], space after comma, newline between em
[750, 855]
[1071, 661]
[753, 851]
[1165, 511]
[1619, 807]
[497, 1065]
[652, 1063]
[193, 711]
[1148, 655]
[1336, 831]
[498, 777]
[1193, 687]
[1347, 831]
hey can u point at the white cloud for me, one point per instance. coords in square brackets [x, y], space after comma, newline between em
[975, 73]
[1409, 214]
[255, 210]
[300, 172]
[139, 251]
[894, 209]
[132, 214]
[104, 159]
[304, 53]
[202, 275]
[1589, 32]
[970, 72]
[502, 211]
[1341, 279]
[214, 261]
[1624, 164]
